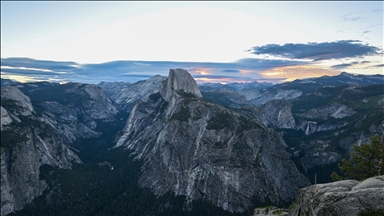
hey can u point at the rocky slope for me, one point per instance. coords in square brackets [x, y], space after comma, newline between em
[125, 95]
[261, 94]
[275, 114]
[27, 142]
[348, 198]
[331, 119]
[232, 95]
[204, 151]
[74, 109]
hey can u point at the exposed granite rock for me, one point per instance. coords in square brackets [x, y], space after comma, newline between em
[335, 110]
[275, 113]
[270, 211]
[199, 149]
[348, 197]
[100, 106]
[179, 79]
[125, 95]
[21, 100]
[5, 117]
[27, 142]
[261, 97]
[76, 112]
[362, 136]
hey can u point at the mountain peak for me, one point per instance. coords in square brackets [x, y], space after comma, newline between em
[346, 74]
[179, 79]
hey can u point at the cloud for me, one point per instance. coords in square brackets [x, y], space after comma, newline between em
[141, 64]
[291, 73]
[377, 10]
[243, 70]
[365, 62]
[231, 71]
[25, 68]
[318, 51]
[38, 64]
[365, 32]
[351, 18]
[341, 66]
[347, 65]
[374, 66]
[262, 64]
[222, 77]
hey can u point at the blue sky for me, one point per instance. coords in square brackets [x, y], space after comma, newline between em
[215, 41]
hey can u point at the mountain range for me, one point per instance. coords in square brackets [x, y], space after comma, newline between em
[166, 145]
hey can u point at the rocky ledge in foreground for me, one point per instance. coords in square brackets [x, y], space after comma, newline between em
[348, 197]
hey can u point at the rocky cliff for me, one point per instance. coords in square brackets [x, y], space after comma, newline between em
[275, 114]
[204, 151]
[330, 120]
[27, 142]
[125, 95]
[179, 80]
[74, 109]
[344, 198]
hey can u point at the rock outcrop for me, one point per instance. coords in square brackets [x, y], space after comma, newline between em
[344, 198]
[27, 142]
[259, 98]
[179, 80]
[275, 114]
[75, 109]
[269, 211]
[205, 151]
[125, 95]
[336, 110]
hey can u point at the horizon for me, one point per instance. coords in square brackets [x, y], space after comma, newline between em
[218, 42]
[197, 81]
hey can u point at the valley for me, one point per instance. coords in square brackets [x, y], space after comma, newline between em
[167, 146]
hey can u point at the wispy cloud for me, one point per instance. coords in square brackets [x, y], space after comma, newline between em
[25, 68]
[375, 66]
[341, 66]
[351, 18]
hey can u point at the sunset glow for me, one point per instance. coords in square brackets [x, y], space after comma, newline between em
[291, 73]
[214, 41]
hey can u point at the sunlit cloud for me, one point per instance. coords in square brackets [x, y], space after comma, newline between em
[223, 80]
[200, 71]
[25, 68]
[75, 65]
[243, 70]
[290, 73]
[20, 78]
[142, 64]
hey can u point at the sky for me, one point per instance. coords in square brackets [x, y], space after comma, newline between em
[231, 41]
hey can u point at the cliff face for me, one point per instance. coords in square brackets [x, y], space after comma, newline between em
[275, 114]
[204, 151]
[179, 79]
[74, 109]
[27, 142]
[331, 119]
[347, 197]
[125, 95]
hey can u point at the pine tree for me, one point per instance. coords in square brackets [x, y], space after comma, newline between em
[366, 160]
